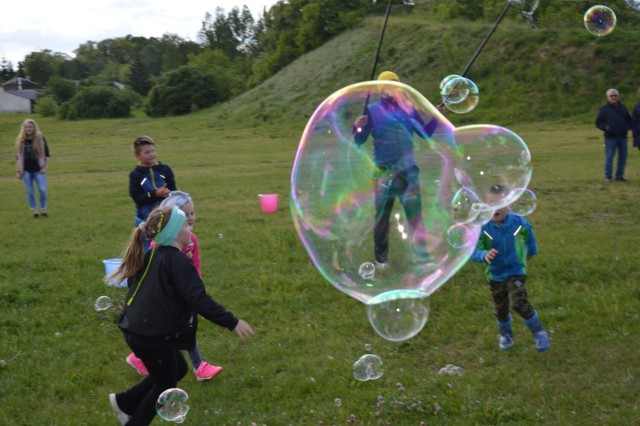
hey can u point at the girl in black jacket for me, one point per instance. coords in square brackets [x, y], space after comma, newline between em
[159, 319]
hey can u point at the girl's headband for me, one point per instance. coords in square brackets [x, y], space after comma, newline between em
[172, 228]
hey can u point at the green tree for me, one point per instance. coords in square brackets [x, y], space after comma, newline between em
[139, 75]
[61, 89]
[233, 34]
[6, 70]
[41, 66]
[182, 91]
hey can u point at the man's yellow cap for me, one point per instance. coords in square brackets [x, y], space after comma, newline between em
[388, 75]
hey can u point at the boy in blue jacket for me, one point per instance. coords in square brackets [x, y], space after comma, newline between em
[506, 243]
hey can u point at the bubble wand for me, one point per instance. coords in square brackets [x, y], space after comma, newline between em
[482, 44]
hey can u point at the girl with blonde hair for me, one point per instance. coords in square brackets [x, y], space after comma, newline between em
[32, 154]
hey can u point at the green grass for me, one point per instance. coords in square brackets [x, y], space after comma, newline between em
[61, 358]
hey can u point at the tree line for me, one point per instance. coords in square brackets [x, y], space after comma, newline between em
[234, 52]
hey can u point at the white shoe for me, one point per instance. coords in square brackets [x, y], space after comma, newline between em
[122, 416]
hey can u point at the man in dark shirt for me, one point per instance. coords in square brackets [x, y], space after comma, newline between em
[635, 123]
[614, 120]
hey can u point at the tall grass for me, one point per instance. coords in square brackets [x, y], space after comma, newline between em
[61, 358]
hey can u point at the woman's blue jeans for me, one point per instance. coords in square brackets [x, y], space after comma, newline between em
[41, 182]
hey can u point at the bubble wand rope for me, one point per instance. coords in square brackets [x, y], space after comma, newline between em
[373, 72]
[375, 59]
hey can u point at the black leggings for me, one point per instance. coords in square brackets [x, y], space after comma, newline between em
[166, 368]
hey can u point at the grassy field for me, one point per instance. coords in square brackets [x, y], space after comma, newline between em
[59, 358]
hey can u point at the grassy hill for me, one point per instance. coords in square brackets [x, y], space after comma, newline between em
[552, 73]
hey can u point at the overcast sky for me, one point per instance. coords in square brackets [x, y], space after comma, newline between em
[62, 26]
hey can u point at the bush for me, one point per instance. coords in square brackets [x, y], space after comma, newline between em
[182, 91]
[46, 106]
[96, 102]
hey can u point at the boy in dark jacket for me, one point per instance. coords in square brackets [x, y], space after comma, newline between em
[506, 243]
[150, 181]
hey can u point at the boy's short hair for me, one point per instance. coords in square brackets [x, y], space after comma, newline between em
[142, 141]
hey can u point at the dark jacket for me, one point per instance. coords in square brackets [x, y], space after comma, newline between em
[162, 312]
[635, 125]
[614, 121]
[143, 181]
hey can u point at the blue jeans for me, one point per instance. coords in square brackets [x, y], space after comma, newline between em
[611, 144]
[41, 181]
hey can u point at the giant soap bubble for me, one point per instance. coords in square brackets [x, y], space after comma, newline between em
[424, 176]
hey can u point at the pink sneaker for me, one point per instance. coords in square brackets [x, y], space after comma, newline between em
[206, 371]
[137, 364]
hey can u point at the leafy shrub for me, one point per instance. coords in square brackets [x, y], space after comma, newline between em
[62, 89]
[182, 91]
[96, 102]
[46, 106]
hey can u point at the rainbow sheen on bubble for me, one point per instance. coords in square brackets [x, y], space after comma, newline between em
[172, 405]
[368, 367]
[525, 204]
[460, 94]
[334, 182]
[600, 20]
[492, 155]
[459, 235]
[399, 319]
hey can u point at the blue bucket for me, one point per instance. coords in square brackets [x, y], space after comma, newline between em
[110, 266]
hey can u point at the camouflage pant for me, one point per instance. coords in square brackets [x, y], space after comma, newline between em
[510, 293]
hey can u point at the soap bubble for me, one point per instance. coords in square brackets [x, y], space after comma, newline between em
[600, 20]
[453, 89]
[367, 271]
[460, 236]
[337, 402]
[398, 319]
[450, 370]
[172, 405]
[634, 5]
[368, 367]
[103, 303]
[493, 156]
[526, 202]
[435, 176]
[367, 347]
[460, 95]
[333, 196]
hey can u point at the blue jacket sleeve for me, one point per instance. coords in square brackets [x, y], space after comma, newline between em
[532, 244]
[478, 255]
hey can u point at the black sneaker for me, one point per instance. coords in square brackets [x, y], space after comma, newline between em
[622, 179]
[44, 214]
[36, 215]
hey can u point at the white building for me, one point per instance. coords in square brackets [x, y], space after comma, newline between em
[18, 95]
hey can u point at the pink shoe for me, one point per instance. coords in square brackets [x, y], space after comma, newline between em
[137, 364]
[206, 371]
